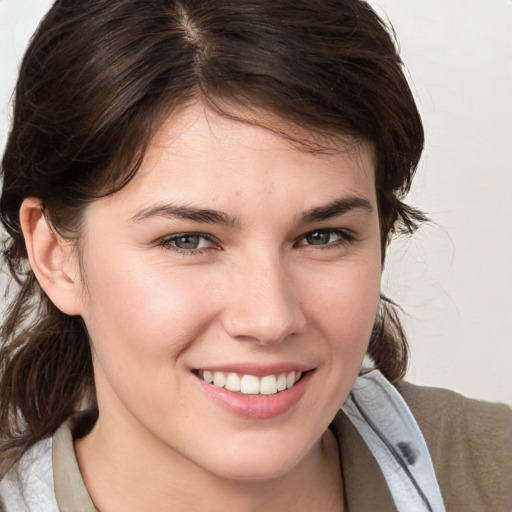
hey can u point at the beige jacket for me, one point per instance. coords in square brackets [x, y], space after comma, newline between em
[470, 443]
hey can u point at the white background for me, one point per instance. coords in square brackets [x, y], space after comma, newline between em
[454, 278]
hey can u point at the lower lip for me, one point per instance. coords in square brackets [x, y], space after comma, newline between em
[258, 406]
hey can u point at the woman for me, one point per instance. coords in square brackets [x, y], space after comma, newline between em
[204, 191]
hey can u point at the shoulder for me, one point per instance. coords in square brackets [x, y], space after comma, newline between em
[470, 443]
[28, 487]
[47, 478]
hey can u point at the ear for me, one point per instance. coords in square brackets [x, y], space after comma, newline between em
[53, 259]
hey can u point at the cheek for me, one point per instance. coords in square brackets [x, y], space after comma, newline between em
[346, 301]
[345, 309]
[141, 325]
[342, 310]
[135, 312]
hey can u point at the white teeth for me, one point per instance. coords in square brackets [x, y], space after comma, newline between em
[290, 380]
[233, 382]
[281, 382]
[250, 384]
[268, 385]
[219, 379]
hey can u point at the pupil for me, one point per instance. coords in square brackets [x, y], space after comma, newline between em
[187, 242]
[318, 238]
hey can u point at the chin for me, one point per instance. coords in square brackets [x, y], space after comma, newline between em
[257, 471]
[266, 461]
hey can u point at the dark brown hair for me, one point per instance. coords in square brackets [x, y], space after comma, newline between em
[97, 80]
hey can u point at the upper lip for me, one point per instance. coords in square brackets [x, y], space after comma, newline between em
[257, 370]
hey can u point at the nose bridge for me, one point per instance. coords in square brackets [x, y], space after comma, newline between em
[263, 305]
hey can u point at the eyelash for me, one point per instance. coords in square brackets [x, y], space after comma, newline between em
[345, 238]
[168, 243]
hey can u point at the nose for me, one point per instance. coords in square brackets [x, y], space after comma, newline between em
[263, 303]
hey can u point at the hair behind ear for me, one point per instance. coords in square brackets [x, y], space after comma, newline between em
[45, 373]
[388, 344]
[46, 368]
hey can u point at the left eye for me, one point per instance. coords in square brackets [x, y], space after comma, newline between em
[325, 237]
[188, 242]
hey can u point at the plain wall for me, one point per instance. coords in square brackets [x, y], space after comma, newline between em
[453, 277]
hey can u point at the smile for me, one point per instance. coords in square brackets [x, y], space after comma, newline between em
[250, 384]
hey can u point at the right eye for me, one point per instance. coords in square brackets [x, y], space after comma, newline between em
[187, 242]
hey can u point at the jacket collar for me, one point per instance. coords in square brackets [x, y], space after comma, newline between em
[365, 486]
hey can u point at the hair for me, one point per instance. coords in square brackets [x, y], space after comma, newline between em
[99, 78]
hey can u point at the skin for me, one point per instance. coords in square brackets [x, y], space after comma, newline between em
[270, 285]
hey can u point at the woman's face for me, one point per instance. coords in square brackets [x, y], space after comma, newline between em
[234, 256]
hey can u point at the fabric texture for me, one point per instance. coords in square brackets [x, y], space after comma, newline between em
[388, 428]
[470, 445]
[30, 486]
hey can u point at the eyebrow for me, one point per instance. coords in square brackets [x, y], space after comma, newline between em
[336, 208]
[187, 213]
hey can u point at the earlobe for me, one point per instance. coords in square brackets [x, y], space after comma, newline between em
[52, 259]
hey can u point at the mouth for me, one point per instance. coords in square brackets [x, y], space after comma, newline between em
[247, 384]
[256, 393]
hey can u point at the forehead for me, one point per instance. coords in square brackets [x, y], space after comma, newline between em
[264, 136]
[200, 156]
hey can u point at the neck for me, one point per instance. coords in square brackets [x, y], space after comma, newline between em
[159, 480]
